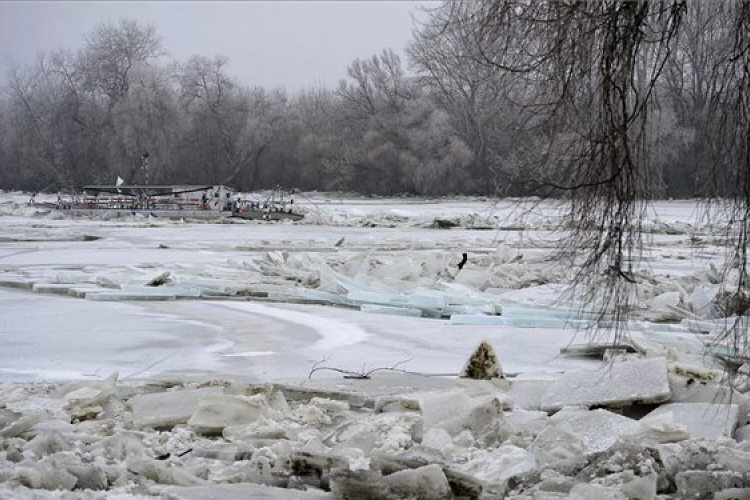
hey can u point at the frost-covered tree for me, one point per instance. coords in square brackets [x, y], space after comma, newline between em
[476, 96]
[396, 141]
[112, 52]
[52, 133]
[231, 127]
[317, 115]
[147, 119]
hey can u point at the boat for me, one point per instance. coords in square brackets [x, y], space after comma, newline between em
[278, 205]
[170, 201]
[176, 202]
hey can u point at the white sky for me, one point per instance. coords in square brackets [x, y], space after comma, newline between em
[294, 44]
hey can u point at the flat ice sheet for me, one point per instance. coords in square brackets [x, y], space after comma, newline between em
[48, 337]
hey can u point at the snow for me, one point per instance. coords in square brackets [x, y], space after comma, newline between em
[277, 357]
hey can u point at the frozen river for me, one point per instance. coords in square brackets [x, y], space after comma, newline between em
[199, 319]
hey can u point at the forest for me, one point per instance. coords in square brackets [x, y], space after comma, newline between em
[495, 98]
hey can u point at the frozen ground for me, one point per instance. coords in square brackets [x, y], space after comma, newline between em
[105, 380]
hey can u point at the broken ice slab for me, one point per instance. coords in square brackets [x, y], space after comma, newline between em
[476, 319]
[619, 383]
[166, 409]
[596, 350]
[392, 310]
[145, 293]
[598, 429]
[421, 301]
[472, 310]
[567, 314]
[131, 293]
[443, 407]
[75, 290]
[16, 282]
[700, 326]
[241, 491]
[80, 292]
[474, 278]
[707, 390]
[321, 296]
[527, 394]
[306, 394]
[517, 322]
[702, 420]
[57, 288]
[308, 296]
[401, 270]
[217, 411]
[217, 286]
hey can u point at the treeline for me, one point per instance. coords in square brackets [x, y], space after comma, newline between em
[466, 117]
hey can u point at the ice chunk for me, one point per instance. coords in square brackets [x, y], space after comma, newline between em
[618, 383]
[167, 409]
[437, 438]
[477, 319]
[217, 411]
[642, 487]
[57, 288]
[84, 400]
[498, 464]
[395, 311]
[527, 394]
[401, 270]
[598, 491]
[733, 494]
[667, 307]
[702, 300]
[242, 491]
[703, 420]
[556, 443]
[742, 433]
[428, 482]
[686, 390]
[662, 431]
[440, 407]
[598, 429]
[456, 412]
[263, 428]
[453, 309]
[133, 293]
[702, 484]
[529, 423]
[397, 403]
[11, 281]
[474, 278]
[734, 459]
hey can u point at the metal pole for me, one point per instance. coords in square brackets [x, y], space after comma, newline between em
[144, 165]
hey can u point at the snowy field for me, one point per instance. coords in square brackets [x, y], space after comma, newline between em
[144, 357]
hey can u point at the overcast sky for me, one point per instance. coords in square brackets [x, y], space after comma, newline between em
[294, 44]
